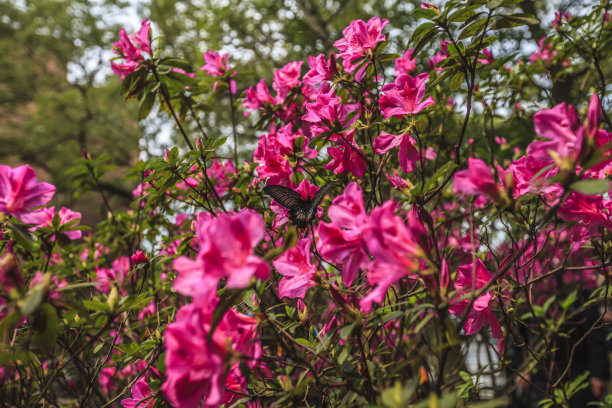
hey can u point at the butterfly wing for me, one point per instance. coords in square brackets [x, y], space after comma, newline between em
[284, 196]
[321, 194]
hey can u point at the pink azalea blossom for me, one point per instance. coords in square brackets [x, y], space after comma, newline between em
[287, 78]
[360, 38]
[405, 64]
[488, 57]
[297, 270]
[341, 241]
[327, 112]
[131, 48]
[480, 312]
[407, 154]
[391, 243]
[141, 396]
[65, 215]
[347, 157]
[405, 96]
[590, 211]
[524, 180]
[19, 193]
[561, 126]
[230, 258]
[397, 181]
[433, 61]
[320, 69]
[139, 257]
[218, 65]
[476, 180]
[219, 173]
[197, 368]
[257, 97]
[543, 54]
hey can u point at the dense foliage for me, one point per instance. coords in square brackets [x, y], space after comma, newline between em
[467, 214]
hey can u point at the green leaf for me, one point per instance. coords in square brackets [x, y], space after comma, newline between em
[146, 105]
[473, 29]
[177, 63]
[591, 187]
[45, 325]
[456, 81]
[346, 331]
[33, 299]
[97, 306]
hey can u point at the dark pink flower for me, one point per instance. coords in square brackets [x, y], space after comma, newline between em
[476, 180]
[141, 396]
[433, 61]
[561, 126]
[139, 257]
[397, 181]
[257, 97]
[590, 211]
[347, 157]
[360, 38]
[341, 240]
[594, 113]
[230, 258]
[287, 78]
[396, 254]
[524, 180]
[219, 173]
[430, 6]
[297, 270]
[488, 57]
[543, 54]
[197, 368]
[320, 69]
[472, 278]
[405, 64]
[216, 64]
[131, 48]
[19, 193]
[327, 112]
[405, 96]
[65, 215]
[407, 154]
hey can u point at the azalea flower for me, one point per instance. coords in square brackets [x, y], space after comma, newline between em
[476, 180]
[407, 154]
[297, 270]
[347, 157]
[287, 78]
[327, 112]
[140, 392]
[359, 39]
[20, 193]
[229, 258]
[320, 69]
[405, 64]
[257, 97]
[131, 48]
[405, 96]
[470, 278]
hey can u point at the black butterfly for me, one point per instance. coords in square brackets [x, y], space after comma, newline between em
[301, 211]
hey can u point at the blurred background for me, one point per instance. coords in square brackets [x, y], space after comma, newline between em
[58, 96]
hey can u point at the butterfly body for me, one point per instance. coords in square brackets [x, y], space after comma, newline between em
[302, 211]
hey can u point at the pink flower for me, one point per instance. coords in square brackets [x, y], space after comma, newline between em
[65, 215]
[19, 192]
[320, 69]
[341, 241]
[476, 180]
[287, 78]
[397, 181]
[257, 97]
[392, 245]
[561, 126]
[219, 173]
[297, 270]
[524, 180]
[131, 48]
[489, 57]
[197, 368]
[139, 257]
[558, 20]
[406, 63]
[594, 113]
[543, 54]
[429, 6]
[140, 392]
[433, 61]
[471, 278]
[216, 64]
[405, 96]
[327, 113]
[347, 157]
[360, 38]
[407, 154]
[229, 258]
[590, 211]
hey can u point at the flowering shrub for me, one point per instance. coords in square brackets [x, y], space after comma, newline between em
[204, 294]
